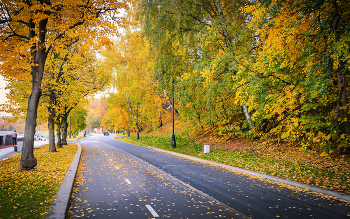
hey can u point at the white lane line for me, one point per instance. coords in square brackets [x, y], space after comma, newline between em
[117, 167]
[128, 181]
[153, 212]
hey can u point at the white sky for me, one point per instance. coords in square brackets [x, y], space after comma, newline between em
[2, 90]
[3, 94]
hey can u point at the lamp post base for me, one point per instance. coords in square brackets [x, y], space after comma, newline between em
[137, 135]
[173, 142]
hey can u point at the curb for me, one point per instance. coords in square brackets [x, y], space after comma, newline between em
[59, 205]
[336, 194]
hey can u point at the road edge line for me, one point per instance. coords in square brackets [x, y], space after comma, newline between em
[336, 194]
[171, 177]
[311, 188]
[59, 205]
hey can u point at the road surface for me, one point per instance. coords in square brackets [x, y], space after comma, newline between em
[121, 180]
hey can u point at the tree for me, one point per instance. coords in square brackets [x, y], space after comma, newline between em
[210, 39]
[96, 111]
[31, 29]
[132, 60]
[304, 43]
[77, 118]
[277, 69]
[72, 77]
[118, 115]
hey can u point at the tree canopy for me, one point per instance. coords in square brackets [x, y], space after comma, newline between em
[259, 69]
[31, 30]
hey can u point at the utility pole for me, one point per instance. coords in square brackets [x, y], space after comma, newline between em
[173, 142]
[137, 122]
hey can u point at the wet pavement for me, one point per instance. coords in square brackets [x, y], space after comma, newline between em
[121, 180]
[113, 183]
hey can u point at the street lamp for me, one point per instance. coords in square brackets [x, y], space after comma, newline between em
[173, 142]
[137, 122]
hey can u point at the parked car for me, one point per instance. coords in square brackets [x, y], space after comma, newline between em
[106, 133]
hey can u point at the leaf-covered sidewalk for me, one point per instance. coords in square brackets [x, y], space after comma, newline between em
[29, 194]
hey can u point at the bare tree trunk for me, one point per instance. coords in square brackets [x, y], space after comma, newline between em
[59, 140]
[344, 98]
[38, 58]
[130, 108]
[51, 124]
[70, 127]
[28, 161]
[247, 116]
[64, 130]
[171, 103]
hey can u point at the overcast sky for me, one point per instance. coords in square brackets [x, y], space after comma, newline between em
[2, 94]
[2, 90]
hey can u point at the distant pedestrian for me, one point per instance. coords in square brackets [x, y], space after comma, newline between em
[85, 133]
[14, 138]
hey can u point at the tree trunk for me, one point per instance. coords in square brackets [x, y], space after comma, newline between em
[70, 127]
[129, 104]
[38, 58]
[247, 116]
[59, 140]
[64, 130]
[344, 98]
[51, 125]
[171, 103]
[28, 161]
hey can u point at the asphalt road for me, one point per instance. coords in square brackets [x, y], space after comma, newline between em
[121, 180]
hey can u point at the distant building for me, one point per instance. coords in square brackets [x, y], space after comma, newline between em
[98, 130]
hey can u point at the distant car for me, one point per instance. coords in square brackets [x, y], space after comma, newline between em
[106, 133]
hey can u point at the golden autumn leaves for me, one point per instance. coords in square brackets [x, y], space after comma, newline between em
[30, 193]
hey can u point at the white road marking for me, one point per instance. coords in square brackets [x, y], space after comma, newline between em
[153, 212]
[128, 181]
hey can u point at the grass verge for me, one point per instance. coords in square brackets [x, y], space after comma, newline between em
[29, 194]
[308, 168]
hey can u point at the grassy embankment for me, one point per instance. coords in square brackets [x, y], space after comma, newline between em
[284, 161]
[29, 194]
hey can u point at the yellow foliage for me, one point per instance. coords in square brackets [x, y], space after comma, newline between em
[34, 189]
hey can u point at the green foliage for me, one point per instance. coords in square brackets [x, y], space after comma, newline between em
[77, 118]
[280, 59]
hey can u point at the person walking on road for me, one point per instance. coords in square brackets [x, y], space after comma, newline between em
[14, 138]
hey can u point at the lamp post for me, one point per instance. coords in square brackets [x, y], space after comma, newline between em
[137, 122]
[173, 142]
